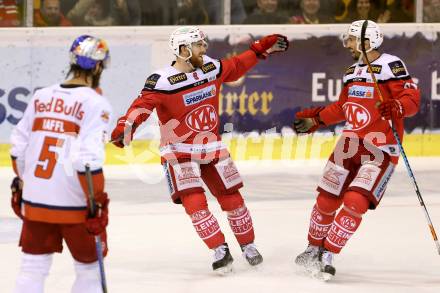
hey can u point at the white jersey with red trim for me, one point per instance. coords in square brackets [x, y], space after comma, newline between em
[63, 128]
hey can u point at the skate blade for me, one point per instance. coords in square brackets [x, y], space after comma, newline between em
[325, 277]
[314, 271]
[224, 271]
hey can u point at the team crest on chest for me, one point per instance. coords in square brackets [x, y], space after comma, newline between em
[357, 116]
[203, 118]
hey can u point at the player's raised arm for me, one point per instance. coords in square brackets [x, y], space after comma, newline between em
[236, 66]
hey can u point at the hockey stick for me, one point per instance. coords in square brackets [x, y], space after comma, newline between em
[399, 143]
[97, 237]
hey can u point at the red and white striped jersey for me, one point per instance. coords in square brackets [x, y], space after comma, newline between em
[63, 128]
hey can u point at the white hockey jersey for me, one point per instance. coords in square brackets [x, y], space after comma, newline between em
[63, 128]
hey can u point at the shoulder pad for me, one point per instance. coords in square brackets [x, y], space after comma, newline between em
[398, 68]
[151, 81]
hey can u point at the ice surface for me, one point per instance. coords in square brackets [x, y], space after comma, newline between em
[153, 247]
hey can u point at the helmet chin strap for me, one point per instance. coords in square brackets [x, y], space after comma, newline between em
[187, 59]
[358, 48]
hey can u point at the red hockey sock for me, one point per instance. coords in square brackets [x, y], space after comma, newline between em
[241, 224]
[341, 230]
[204, 222]
[207, 227]
[347, 221]
[320, 224]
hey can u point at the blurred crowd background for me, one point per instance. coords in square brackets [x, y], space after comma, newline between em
[13, 13]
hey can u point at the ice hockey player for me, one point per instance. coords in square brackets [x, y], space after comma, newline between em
[364, 158]
[62, 129]
[185, 95]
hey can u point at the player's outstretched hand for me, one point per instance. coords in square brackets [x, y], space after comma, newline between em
[122, 134]
[391, 109]
[16, 199]
[307, 120]
[96, 224]
[269, 45]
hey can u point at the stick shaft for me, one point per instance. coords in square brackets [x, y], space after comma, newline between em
[399, 143]
[98, 243]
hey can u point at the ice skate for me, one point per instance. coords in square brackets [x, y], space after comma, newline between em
[222, 260]
[251, 254]
[326, 262]
[308, 257]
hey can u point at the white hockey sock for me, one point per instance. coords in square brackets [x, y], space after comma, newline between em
[33, 272]
[87, 278]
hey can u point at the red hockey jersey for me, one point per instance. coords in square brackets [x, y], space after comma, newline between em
[187, 104]
[358, 101]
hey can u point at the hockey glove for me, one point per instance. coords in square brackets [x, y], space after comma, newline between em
[96, 223]
[16, 199]
[122, 135]
[269, 45]
[307, 121]
[391, 109]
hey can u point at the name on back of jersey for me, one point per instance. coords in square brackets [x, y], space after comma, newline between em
[57, 105]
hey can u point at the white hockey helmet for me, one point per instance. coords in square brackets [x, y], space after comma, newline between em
[185, 36]
[372, 33]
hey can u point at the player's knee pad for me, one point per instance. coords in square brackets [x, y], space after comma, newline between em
[356, 203]
[194, 202]
[33, 271]
[87, 278]
[327, 203]
[230, 202]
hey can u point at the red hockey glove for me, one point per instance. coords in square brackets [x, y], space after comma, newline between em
[391, 109]
[96, 224]
[269, 45]
[16, 199]
[307, 121]
[122, 135]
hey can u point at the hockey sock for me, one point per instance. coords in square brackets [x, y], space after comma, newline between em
[241, 224]
[33, 272]
[207, 227]
[344, 225]
[320, 224]
[204, 222]
[347, 221]
[87, 279]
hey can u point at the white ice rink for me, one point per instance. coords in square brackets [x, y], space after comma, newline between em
[153, 247]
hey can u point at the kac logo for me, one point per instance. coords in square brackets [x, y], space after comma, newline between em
[357, 116]
[203, 118]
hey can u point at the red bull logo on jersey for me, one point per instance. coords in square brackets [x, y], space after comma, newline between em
[57, 105]
[203, 118]
[200, 95]
[357, 116]
[362, 92]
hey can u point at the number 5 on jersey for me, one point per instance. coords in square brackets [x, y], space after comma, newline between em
[48, 158]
